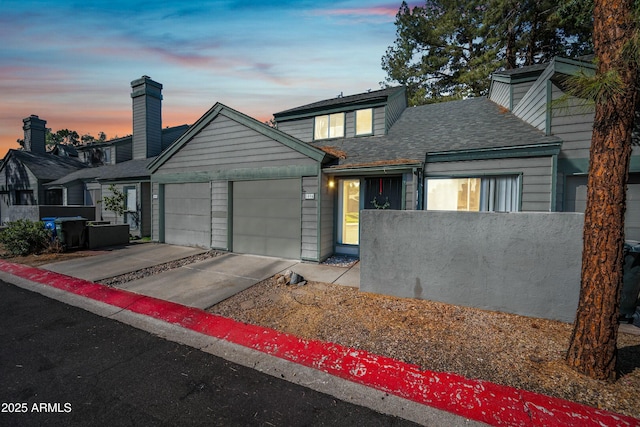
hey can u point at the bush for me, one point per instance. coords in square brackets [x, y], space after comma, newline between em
[24, 237]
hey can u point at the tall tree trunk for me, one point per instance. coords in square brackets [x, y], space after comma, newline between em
[592, 349]
[510, 51]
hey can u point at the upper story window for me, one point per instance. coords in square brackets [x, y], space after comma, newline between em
[364, 121]
[329, 126]
[107, 155]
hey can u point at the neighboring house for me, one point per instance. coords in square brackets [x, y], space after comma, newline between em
[25, 173]
[122, 162]
[537, 96]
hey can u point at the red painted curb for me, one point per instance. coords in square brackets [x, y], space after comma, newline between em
[483, 401]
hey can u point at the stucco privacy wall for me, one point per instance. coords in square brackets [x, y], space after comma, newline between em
[526, 263]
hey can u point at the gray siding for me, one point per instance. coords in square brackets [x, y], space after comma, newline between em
[75, 193]
[155, 211]
[395, 107]
[519, 90]
[410, 189]
[572, 120]
[225, 144]
[301, 129]
[533, 106]
[536, 173]
[147, 127]
[145, 213]
[326, 219]
[310, 220]
[501, 93]
[379, 122]
[123, 152]
[219, 215]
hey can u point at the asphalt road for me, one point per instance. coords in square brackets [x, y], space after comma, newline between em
[61, 365]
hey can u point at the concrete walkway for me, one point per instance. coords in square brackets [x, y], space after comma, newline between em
[200, 284]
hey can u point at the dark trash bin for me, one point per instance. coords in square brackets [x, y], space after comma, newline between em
[71, 231]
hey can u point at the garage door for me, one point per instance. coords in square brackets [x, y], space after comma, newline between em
[576, 201]
[187, 214]
[267, 217]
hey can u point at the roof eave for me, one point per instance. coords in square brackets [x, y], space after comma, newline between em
[530, 150]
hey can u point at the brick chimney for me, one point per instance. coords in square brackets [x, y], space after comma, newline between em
[34, 134]
[147, 117]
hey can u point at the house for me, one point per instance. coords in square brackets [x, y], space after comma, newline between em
[296, 191]
[25, 173]
[233, 183]
[371, 170]
[122, 162]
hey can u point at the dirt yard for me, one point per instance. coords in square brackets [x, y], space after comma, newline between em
[517, 351]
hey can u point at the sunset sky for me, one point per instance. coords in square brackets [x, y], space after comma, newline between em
[72, 62]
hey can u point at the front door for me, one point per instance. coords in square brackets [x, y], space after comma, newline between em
[383, 193]
[375, 193]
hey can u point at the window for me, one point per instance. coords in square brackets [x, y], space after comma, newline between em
[53, 197]
[25, 197]
[131, 214]
[364, 122]
[494, 193]
[106, 155]
[329, 126]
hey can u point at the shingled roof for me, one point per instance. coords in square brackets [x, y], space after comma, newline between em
[342, 101]
[133, 169]
[46, 166]
[469, 124]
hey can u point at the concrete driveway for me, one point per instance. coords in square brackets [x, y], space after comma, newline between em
[120, 260]
[200, 284]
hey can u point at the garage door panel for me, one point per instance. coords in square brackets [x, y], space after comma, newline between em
[267, 217]
[187, 214]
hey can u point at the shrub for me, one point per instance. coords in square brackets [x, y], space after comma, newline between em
[24, 237]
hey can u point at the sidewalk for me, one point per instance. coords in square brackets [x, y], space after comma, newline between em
[384, 384]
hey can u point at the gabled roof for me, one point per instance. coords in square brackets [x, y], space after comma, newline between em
[134, 169]
[471, 125]
[367, 98]
[45, 166]
[221, 109]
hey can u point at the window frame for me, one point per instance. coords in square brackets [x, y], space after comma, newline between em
[516, 176]
[316, 136]
[355, 119]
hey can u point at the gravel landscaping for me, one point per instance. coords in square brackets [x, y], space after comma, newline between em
[517, 351]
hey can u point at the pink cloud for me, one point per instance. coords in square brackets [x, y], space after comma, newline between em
[384, 11]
